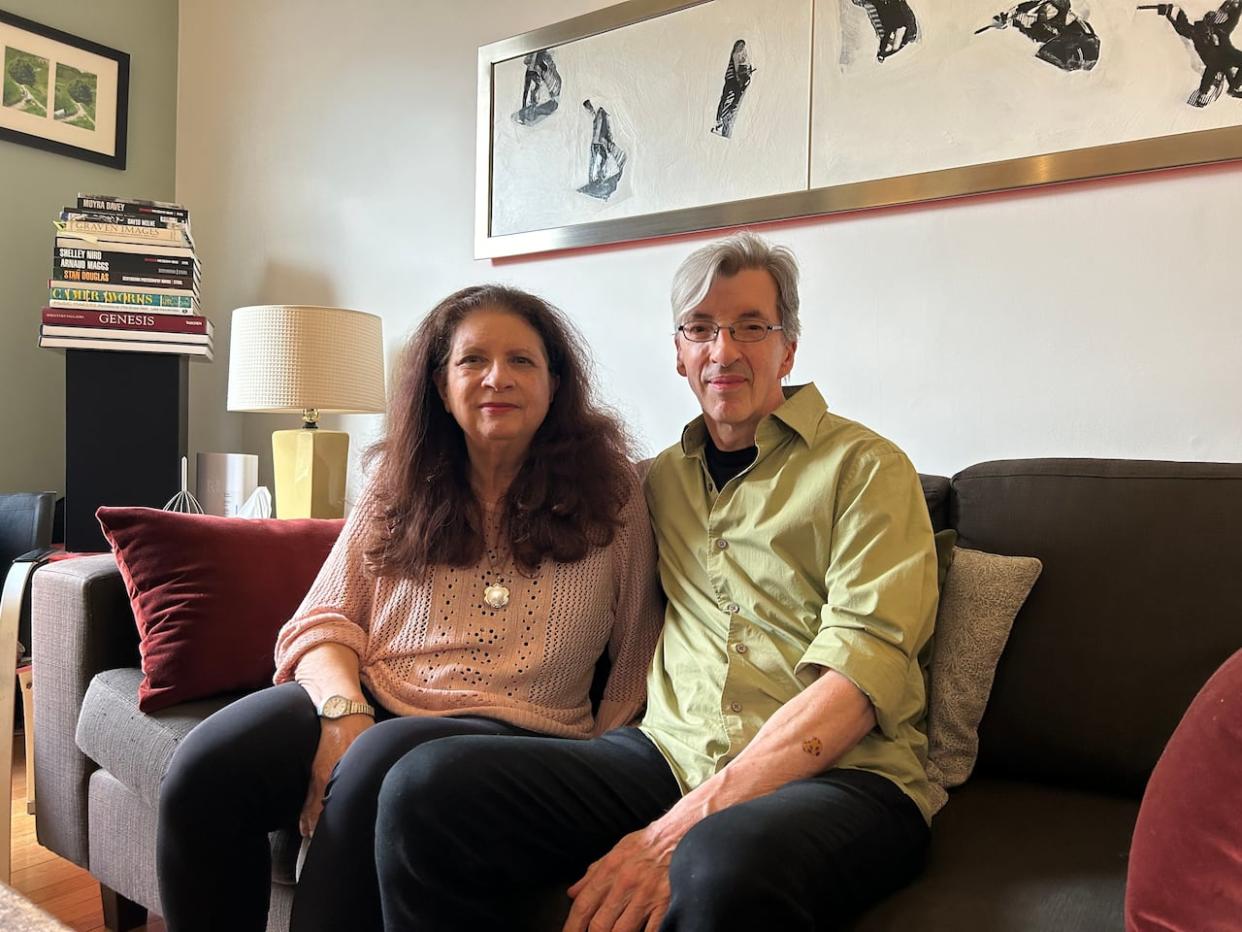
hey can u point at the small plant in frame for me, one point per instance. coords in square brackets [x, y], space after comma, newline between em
[75, 96]
[25, 82]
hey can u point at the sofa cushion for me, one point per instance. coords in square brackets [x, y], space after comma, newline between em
[133, 745]
[209, 594]
[1012, 857]
[980, 597]
[1135, 608]
[936, 494]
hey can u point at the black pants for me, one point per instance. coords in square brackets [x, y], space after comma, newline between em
[475, 833]
[243, 773]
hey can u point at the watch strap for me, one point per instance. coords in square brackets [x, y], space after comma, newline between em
[340, 707]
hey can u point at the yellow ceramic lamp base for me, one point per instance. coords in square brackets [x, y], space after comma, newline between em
[310, 470]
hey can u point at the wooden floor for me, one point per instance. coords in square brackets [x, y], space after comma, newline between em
[54, 884]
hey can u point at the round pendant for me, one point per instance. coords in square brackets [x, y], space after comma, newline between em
[496, 596]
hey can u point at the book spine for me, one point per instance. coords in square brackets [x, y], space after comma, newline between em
[101, 272]
[132, 207]
[126, 289]
[125, 346]
[106, 231]
[91, 278]
[127, 320]
[88, 306]
[75, 241]
[93, 259]
[127, 297]
[103, 216]
[142, 336]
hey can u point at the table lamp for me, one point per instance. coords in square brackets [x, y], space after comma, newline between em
[309, 360]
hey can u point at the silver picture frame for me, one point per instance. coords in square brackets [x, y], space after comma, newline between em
[1075, 165]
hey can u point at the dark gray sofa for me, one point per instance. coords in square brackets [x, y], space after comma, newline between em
[1139, 601]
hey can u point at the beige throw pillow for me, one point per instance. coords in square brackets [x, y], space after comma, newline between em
[982, 593]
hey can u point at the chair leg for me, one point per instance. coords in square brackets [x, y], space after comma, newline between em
[10, 608]
[26, 683]
[120, 914]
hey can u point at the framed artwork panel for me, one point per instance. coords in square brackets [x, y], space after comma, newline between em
[654, 117]
[62, 93]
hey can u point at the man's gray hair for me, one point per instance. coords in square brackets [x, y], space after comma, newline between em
[727, 257]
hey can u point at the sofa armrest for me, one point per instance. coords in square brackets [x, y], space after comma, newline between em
[81, 624]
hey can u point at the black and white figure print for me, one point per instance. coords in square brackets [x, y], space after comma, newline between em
[606, 160]
[1008, 79]
[1065, 39]
[894, 23]
[1211, 37]
[737, 77]
[541, 88]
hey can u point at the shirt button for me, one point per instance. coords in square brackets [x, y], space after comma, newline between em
[735, 706]
[722, 544]
[740, 648]
[732, 608]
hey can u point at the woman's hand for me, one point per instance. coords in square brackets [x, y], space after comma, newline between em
[329, 670]
[335, 737]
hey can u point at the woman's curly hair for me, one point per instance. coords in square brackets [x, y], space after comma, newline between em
[568, 494]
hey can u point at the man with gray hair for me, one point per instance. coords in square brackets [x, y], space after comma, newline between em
[777, 779]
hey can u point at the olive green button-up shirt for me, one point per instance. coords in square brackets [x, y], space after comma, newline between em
[818, 556]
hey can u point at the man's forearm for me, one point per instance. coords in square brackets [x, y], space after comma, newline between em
[807, 736]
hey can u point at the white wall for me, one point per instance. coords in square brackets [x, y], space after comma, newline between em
[328, 157]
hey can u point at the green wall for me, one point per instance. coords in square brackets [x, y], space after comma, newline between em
[34, 185]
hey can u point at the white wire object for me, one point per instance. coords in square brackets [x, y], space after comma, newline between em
[184, 501]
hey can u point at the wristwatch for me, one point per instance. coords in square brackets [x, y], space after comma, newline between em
[335, 707]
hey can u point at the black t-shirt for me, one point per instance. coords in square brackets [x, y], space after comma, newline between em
[725, 464]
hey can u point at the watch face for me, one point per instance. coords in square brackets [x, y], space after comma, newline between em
[334, 707]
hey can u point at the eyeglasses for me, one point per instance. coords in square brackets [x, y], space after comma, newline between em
[747, 331]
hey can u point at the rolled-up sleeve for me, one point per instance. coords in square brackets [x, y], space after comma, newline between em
[337, 608]
[881, 588]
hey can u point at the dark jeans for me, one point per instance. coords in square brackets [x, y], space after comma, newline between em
[475, 833]
[243, 773]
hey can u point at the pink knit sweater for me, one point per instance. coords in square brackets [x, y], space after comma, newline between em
[434, 647]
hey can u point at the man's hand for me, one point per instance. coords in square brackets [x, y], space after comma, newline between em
[627, 889]
[335, 737]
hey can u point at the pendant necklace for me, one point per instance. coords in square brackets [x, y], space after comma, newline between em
[495, 593]
[496, 596]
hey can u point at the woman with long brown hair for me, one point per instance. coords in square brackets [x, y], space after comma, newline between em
[500, 547]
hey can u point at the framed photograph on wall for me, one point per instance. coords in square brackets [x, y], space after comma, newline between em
[640, 111]
[654, 117]
[908, 87]
[62, 93]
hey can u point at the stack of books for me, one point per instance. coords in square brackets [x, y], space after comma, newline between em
[125, 278]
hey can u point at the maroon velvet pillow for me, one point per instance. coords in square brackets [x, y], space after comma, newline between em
[209, 594]
[1185, 858]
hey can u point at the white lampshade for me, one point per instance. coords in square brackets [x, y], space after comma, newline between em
[285, 358]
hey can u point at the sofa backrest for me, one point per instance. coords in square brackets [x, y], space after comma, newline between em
[936, 494]
[1140, 600]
